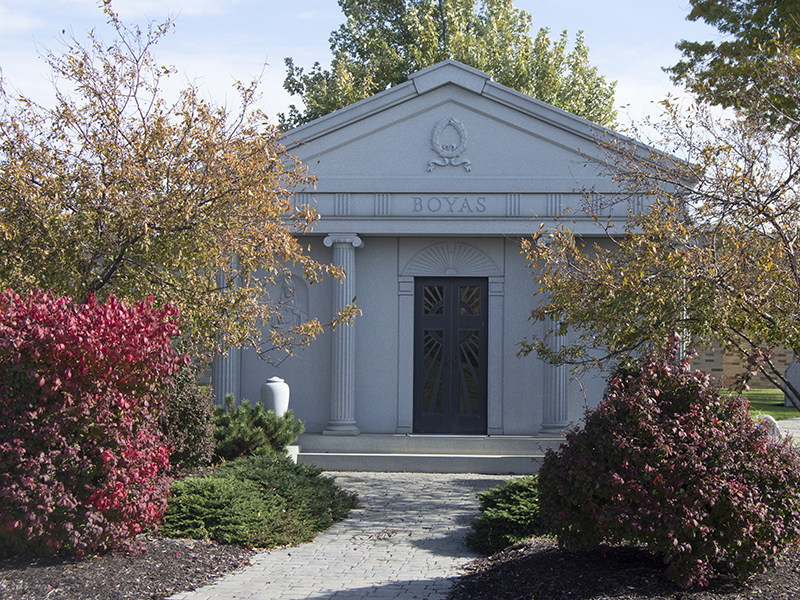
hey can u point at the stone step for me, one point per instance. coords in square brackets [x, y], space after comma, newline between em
[503, 445]
[424, 463]
[426, 453]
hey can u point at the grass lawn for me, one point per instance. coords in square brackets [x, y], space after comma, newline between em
[769, 401]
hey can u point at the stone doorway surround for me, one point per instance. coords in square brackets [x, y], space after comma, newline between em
[450, 258]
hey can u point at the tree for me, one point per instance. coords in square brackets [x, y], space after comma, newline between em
[714, 253]
[718, 72]
[116, 190]
[383, 42]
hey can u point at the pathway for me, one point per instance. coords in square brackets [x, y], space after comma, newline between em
[790, 427]
[405, 541]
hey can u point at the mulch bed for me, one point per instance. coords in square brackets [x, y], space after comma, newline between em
[534, 570]
[539, 570]
[166, 567]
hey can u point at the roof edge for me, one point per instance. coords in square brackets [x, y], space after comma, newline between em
[349, 114]
[447, 72]
[443, 73]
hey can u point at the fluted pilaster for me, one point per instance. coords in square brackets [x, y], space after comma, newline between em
[554, 410]
[343, 404]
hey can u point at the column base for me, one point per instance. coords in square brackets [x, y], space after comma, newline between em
[553, 428]
[341, 429]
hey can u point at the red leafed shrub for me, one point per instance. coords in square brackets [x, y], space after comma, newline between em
[667, 461]
[82, 458]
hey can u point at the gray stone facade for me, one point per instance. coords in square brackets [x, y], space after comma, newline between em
[434, 180]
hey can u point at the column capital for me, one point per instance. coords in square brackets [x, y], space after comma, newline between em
[350, 239]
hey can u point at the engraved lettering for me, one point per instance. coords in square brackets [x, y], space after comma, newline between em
[464, 205]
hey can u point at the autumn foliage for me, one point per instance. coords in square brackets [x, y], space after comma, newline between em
[83, 462]
[667, 461]
[122, 188]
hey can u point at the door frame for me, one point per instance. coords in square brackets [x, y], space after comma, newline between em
[422, 257]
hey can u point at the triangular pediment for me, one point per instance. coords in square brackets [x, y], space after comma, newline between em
[449, 142]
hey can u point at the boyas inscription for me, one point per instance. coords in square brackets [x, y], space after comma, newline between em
[448, 204]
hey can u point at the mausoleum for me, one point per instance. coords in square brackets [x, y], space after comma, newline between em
[424, 192]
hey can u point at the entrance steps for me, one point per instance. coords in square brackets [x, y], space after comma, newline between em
[491, 455]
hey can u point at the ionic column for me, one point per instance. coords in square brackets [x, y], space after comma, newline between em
[554, 413]
[343, 403]
[226, 373]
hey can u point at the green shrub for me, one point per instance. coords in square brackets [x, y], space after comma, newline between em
[250, 430]
[667, 461]
[262, 501]
[315, 500]
[509, 515]
[187, 420]
[222, 509]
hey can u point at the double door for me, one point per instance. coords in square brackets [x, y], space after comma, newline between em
[450, 362]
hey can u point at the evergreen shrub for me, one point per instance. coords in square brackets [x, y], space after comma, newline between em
[247, 430]
[509, 515]
[668, 461]
[263, 501]
[83, 461]
[226, 510]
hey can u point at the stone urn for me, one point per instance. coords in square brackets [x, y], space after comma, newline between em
[275, 395]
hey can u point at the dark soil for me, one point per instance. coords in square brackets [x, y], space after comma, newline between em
[164, 568]
[533, 570]
[539, 570]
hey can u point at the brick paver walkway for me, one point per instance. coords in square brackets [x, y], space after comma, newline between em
[406, 541]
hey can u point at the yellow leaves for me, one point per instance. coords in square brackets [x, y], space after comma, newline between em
[116, 188]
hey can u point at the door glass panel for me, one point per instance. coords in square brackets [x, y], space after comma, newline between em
[432, 383]
[469, 299]
[432, 299]
[469, 350]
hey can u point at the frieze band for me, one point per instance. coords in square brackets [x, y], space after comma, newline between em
[446, 204]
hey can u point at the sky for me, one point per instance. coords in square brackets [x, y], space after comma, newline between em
[216, 42]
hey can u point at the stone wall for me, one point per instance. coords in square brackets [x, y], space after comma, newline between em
[725, 366]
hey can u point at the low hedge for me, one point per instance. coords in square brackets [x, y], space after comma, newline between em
[509, 515]
[259, 501]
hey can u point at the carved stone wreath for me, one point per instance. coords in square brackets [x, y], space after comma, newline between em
[449, 153]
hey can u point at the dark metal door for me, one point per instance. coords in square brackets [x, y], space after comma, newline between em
[450, 323]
